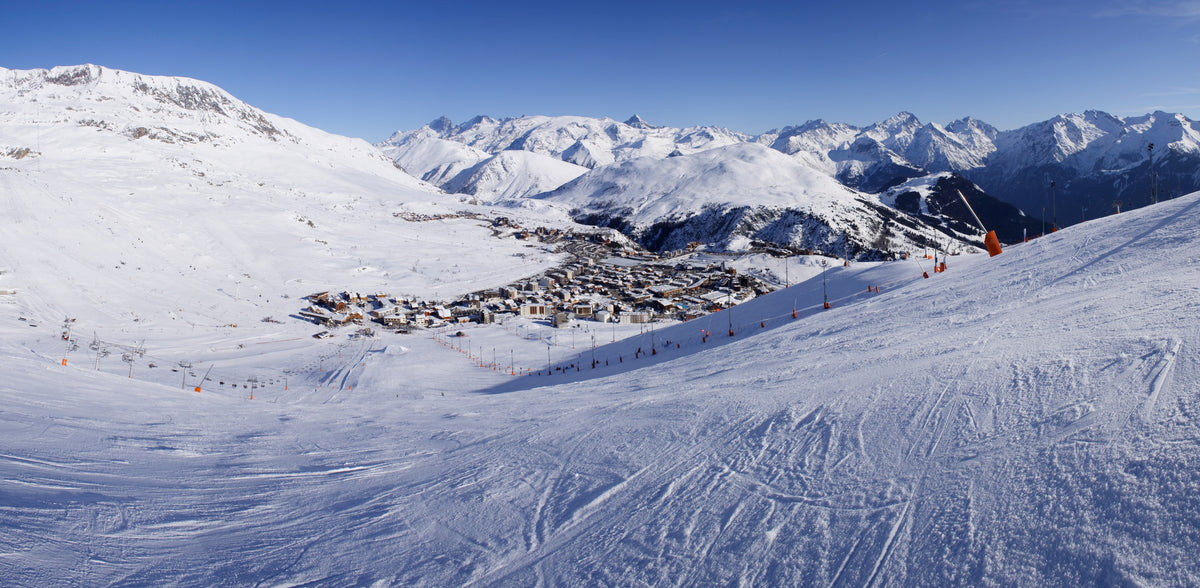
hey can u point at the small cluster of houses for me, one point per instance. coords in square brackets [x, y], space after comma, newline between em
[417, 217]
[350, 308]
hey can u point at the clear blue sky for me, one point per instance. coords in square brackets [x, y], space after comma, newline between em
[366, 69]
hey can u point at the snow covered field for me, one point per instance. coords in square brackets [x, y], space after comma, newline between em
[1026, 419]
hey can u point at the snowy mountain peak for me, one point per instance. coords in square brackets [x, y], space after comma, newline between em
[638, 122]
[897, 123]
[972, 126]
[440, 124]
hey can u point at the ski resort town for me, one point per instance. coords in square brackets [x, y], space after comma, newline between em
[606, 281]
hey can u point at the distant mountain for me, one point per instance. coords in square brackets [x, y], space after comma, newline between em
[1094, 158]
[435, 160]
[581, 141]
[462, 159]
[729, 196]
[513, 174]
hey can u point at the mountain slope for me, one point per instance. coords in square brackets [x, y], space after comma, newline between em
[740, 192]
[1028, 419]
[122, 179]
[512, 175]
[434, 160]
[1095, 158]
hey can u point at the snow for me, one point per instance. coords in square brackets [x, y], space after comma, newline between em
[434, 160]
[512, 175]
[735, 175]
[783, 201]
[160, 238]
[1027, 419]
[583, 142]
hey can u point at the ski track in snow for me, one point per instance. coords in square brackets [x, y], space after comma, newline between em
[1159, 374]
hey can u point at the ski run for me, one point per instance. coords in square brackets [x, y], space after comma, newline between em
[1024, 419]
[1027, 419]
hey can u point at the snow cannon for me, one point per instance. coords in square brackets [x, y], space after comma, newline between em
[990, 240]
[993, 244]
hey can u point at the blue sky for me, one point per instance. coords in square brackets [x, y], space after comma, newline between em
[366, 69]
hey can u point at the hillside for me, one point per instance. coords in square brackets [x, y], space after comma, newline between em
[157, 208]
[1025, 419]
[512, 175]
[727, 196]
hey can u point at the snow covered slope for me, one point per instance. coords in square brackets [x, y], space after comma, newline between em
[121, 188]
[730, 195]
[511, 175]
[435, 160]
[1028, 419]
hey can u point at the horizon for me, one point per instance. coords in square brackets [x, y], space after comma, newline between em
[371, 69]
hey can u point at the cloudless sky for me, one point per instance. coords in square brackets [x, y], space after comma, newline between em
[366, 69]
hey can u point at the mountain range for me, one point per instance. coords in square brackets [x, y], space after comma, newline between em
[670, 188]
[1094, 158]
[667, 187]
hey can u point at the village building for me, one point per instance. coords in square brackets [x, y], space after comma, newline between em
[534, 310]
[395, 320]
[582, 309]
[635, 318]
